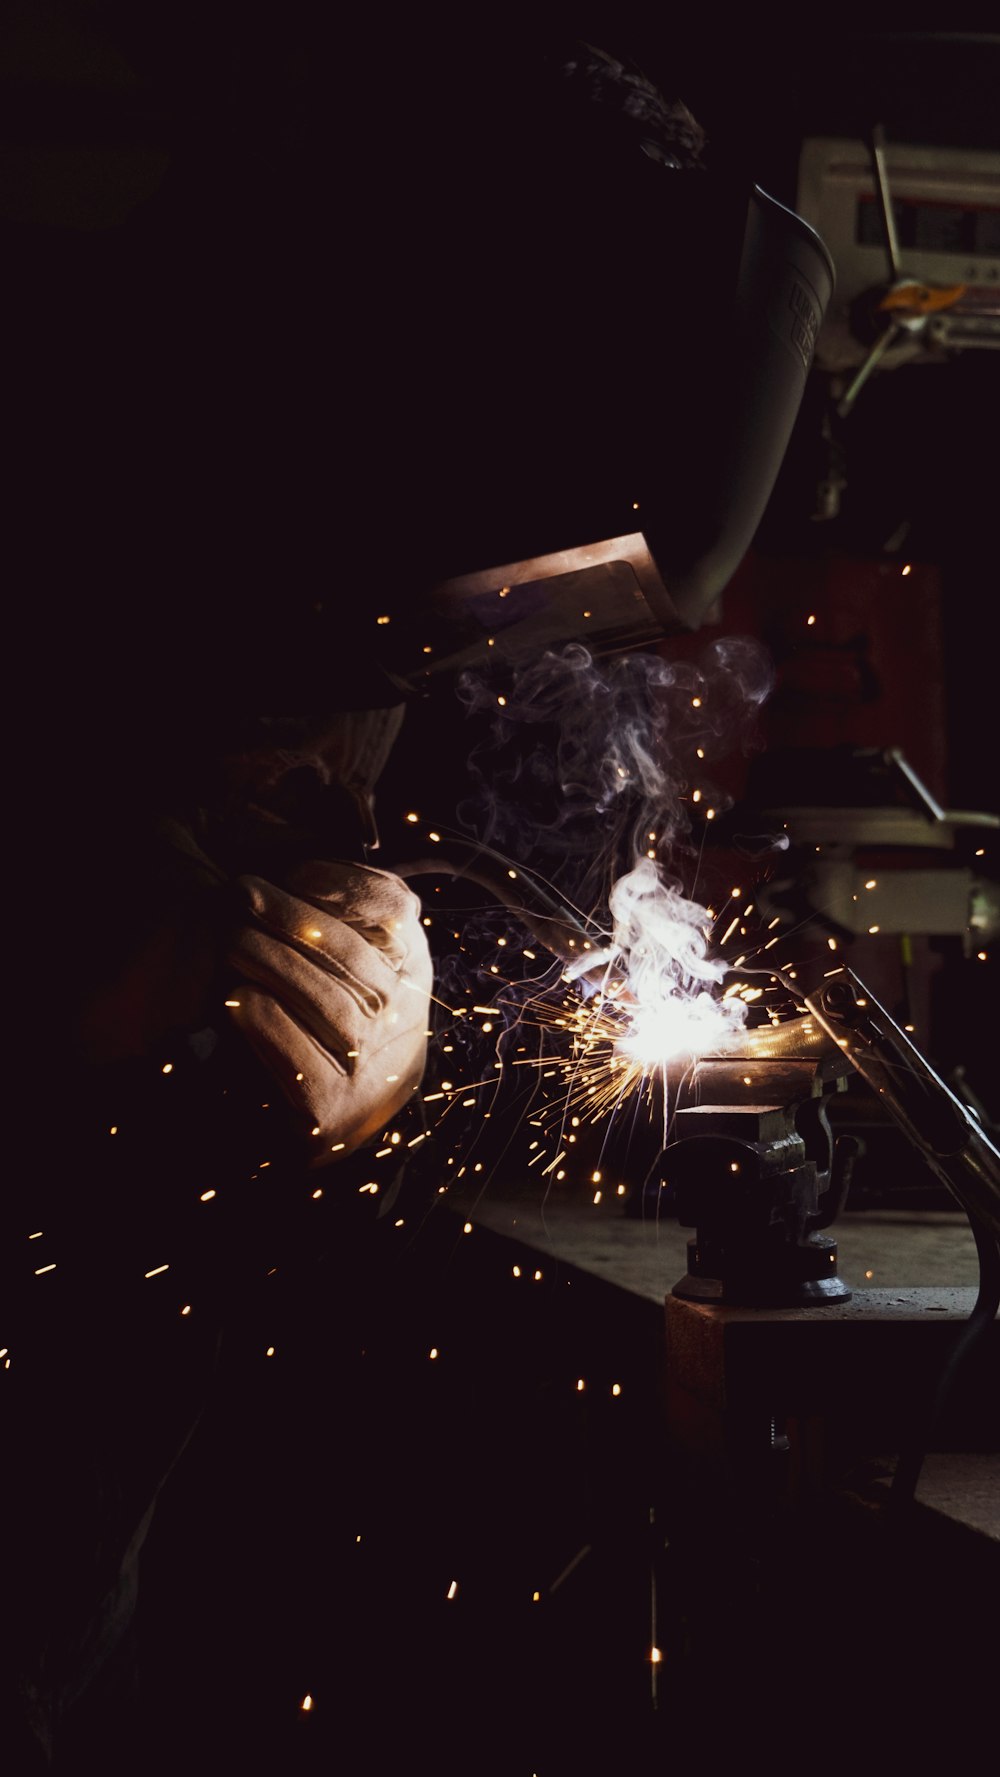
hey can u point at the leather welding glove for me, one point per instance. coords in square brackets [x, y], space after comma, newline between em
[334, 996]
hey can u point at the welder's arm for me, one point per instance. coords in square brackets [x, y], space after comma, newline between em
[333, 989]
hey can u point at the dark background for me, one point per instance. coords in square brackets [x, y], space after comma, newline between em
[178, 508]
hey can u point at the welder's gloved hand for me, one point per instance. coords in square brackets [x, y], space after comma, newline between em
[334, 996]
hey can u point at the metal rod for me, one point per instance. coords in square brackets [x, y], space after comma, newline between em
[874, 358]
[948, 1135]
[884, 197]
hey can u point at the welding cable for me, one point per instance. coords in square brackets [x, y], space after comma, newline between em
[549, 919]
[911, 1459]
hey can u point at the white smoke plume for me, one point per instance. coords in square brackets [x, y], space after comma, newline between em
[584, 780]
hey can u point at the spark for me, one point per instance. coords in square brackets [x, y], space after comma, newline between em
[306, 1703]
[452, 1589]
[157, 1269]
[660, 1003]
[907, 569]
[167, 1068]
[43, 1268]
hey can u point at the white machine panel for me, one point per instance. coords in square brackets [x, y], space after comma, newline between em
[946, 203]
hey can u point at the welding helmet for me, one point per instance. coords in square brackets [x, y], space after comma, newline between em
[489, 353]
[588, 367]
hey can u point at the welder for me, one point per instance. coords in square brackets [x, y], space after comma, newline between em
[456, 314]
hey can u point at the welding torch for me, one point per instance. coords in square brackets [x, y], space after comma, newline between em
[544, 912]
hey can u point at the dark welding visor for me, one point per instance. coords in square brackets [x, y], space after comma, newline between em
[642, 383]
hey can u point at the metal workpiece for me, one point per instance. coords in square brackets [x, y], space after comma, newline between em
[781, 1063]
[946, 1132]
